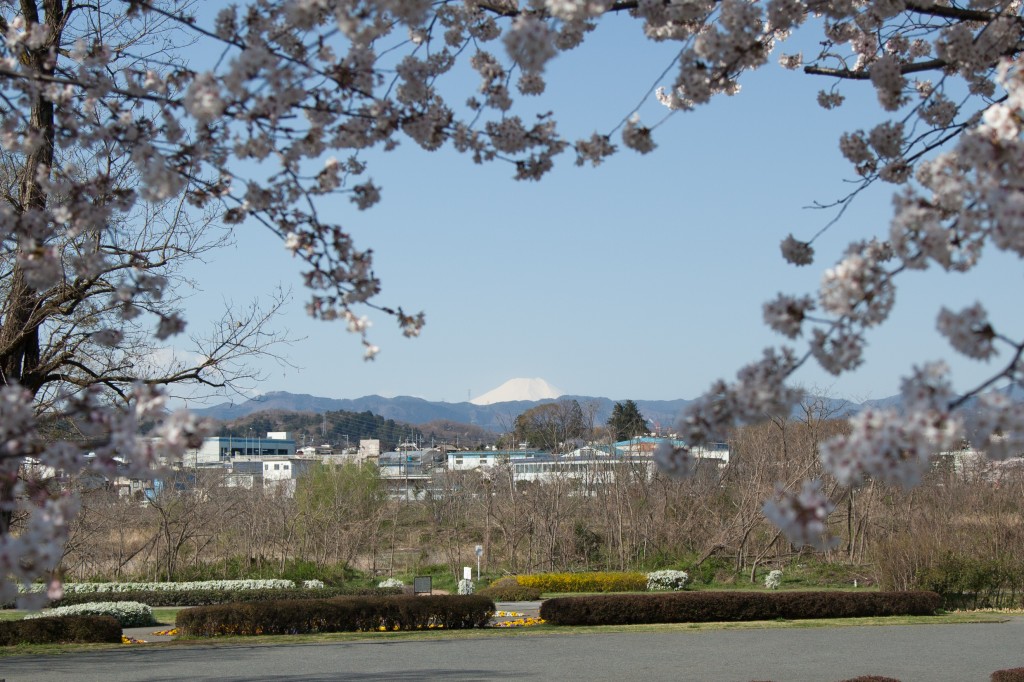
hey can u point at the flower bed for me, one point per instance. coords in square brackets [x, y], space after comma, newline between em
[585, 582]
[188, 586]
[205, 597]
[129, 614]
[513, 619]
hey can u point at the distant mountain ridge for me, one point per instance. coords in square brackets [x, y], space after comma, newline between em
[496, 417]
[499, 417]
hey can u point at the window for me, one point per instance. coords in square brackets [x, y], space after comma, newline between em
[277, 467]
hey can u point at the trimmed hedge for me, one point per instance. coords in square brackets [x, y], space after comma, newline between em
[585, 582]
[703, 607]
[342, 614]
[206, 597]
[60, 630]
[509, 589]
[1008, 675]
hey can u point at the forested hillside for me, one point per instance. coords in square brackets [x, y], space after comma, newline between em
[341, 428]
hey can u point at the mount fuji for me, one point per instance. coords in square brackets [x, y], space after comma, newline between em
[519, 389]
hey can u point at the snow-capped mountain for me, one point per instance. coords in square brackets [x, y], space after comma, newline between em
[519, 389]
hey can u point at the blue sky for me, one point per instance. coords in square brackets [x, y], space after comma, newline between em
[642, 278]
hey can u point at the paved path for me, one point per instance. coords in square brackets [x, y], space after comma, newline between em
[912, 653]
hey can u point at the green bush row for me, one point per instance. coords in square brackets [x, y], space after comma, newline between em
[585, 582]
[60, 630]
[701, 607]
[976, 582]
[509, 589]
[341, 614]
[206, 597]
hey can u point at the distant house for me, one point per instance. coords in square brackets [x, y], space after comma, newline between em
[475, 459]
[280, 473]
[646, 445]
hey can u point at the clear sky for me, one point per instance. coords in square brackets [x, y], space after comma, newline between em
[642, 279]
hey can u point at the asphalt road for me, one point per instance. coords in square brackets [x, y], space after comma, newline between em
[933, 653]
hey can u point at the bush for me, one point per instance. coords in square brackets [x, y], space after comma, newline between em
[207, 597]
[710, 570]
[342, 614]
[972, 582]
[1008, 675]
[773, 580]
[509, 589]
[62, 630]
[129, 614]
[191, 586]
[585, 582]
[700, 607]
[667, 580]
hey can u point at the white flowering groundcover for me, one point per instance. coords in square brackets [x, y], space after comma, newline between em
[129, 614]
[188, 586]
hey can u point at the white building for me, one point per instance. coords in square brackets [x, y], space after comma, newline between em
[369, 449]
[219, 449]
[282, 472]
[458, 460]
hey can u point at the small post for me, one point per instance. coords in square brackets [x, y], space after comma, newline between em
[479, 553]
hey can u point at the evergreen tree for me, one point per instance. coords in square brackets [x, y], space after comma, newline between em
[626, 421]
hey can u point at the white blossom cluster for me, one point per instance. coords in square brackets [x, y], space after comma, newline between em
[130, 614]
[667, 580]
[773, 580]
[185, 586]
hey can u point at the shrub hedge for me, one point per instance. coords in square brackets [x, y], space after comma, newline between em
[975, 582]
[585, 582]
[341, 614]
[701, 607]
[60, 630]
[509, 589]
[206, 597]
[1008, 675]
